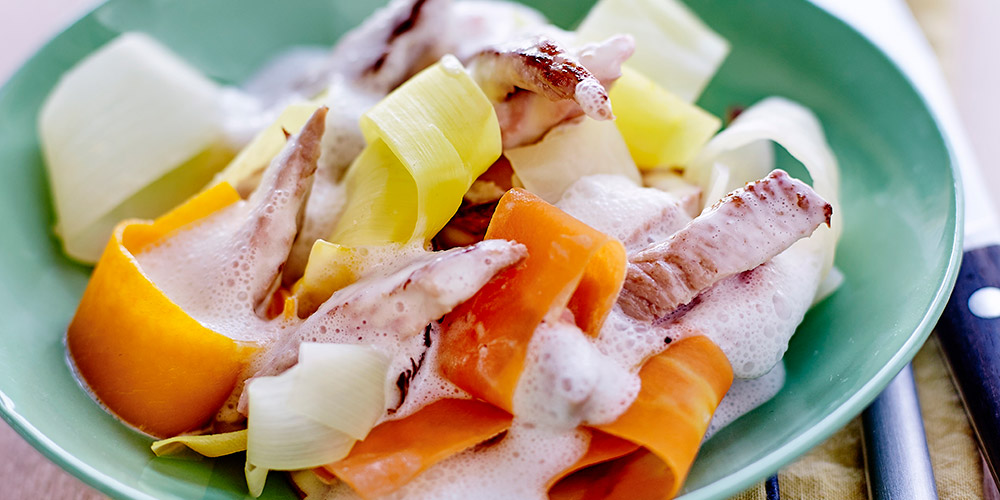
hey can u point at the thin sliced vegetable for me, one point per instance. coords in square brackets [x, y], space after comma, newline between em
[280, 438]
[640, 475]
[672, 46]
[660, 129]
[341, 386]
[397, 451]
[209, 445]
[427, 142]
[146, 359]
[603, 447]
[484, 340]
[330, 267]
[681, 387]
[120, 120]
[568, 152]
[313, 413]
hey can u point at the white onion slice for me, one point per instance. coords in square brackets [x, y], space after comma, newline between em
[124, 117]
[672, 46]
[569, 151]
[341, 386]
[279, 438]
[313, 413]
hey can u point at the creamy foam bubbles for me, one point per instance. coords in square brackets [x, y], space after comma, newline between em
[616, 206]
[517, 467]
[211, 274]
[568, 381]
[745, 395]
[752, 316]
[427, 385]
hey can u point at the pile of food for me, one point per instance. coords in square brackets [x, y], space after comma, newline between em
[462, 254]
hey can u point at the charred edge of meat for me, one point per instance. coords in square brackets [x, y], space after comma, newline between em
[677, 313]
[408, 23]
[403, 382]
[466, 227]
[560, 76]
[427, 334]
[401, 29]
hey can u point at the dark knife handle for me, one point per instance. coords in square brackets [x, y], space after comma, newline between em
[969, 333]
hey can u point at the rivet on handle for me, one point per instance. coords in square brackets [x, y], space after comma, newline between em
[985, 302]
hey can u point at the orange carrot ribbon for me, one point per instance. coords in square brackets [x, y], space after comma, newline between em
[681, 388]
[484, 340]
[396, 451]
[145, 358]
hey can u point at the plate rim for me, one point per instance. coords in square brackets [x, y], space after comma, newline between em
[719, 489]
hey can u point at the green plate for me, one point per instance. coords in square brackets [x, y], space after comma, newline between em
[899, 252]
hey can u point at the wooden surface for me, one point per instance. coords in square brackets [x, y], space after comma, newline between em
[24, 26]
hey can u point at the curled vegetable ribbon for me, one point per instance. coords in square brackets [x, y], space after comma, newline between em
[146, 359]
[681, 388]
[427, 142]
[569, 265]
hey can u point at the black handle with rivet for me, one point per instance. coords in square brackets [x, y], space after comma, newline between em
[969, 333]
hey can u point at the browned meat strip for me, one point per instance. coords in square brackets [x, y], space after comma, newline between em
[277, 207]
[393, 44]
[400, 305]
[537, 84]
[745, 229]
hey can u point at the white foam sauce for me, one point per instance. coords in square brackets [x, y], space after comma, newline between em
[210, 274]
[568, 381]
[745, 395]
[518, 466]
[429, 384]
[752, 316]
[616, 206]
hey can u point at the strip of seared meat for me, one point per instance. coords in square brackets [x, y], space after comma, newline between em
[394, 43]
[236, 255]
[394, 308]
[745, 229]
[537, 84]
[278, 206]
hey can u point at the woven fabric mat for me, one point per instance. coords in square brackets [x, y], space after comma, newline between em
[836, 469]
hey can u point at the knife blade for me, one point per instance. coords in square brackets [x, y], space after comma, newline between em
[969, 329]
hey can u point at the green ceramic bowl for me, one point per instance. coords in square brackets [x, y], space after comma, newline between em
[899, 252]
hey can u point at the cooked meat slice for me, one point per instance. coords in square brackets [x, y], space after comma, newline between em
[277, 208]
[393, 44]
[537, 84]
[400, 305]
[236, 255]
[745, 229]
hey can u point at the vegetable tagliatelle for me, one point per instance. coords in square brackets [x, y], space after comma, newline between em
[508, 294]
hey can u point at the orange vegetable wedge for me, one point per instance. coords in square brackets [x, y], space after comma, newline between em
[150, 363]
[640, 475]
[395, 452]
[681, 387]
[484, 340]
[603, 447]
